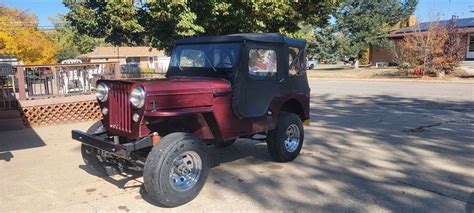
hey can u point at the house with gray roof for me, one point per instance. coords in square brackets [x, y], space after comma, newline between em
[384, 55]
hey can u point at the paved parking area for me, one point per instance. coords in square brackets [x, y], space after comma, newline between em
[372, 146]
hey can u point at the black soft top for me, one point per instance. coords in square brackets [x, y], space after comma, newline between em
[241, 37]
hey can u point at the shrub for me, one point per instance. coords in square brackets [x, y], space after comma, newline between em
[148, 70]
[438, 50]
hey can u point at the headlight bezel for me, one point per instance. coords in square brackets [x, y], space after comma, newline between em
[137, 97]
[104, 92]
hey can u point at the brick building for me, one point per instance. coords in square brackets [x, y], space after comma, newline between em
[145, 57]
[384, 55]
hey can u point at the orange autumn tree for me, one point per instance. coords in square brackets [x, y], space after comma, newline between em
[437, 50]
[19, 36]
[454, 47]
[425, 48]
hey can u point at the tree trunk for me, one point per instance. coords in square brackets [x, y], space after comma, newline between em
[440, 74]
[356, 64]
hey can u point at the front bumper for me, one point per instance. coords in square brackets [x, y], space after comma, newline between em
[102, 143]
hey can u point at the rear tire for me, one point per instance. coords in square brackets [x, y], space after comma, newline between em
[311, 66]
[176, 169]
[285, 141]
[91, 157]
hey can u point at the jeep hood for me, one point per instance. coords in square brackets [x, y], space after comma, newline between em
[183, 92]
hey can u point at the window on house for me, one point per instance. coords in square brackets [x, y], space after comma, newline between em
[471, 44]
[132, 60]
[296, 61]
[262, 62]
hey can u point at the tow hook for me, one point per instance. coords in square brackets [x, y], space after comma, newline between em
[155, 138]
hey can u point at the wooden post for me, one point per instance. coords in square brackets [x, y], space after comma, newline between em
[117, 73]
[20, 75]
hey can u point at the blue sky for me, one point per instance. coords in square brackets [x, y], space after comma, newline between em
[430, 9]
[426, 10]
[42, 8]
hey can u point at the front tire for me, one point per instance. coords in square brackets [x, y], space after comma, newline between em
[176, 169]
[285, 141]
[92, 158]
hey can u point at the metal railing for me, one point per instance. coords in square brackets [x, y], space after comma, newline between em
[7, 87]
[39, 81]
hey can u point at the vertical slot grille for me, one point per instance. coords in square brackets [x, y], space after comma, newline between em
[120, 108]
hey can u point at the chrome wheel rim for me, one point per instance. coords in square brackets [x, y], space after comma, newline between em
[292, 140]
[185, 171]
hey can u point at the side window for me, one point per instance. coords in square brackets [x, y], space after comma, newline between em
[262, 62]
[132, 60]
[296, 62]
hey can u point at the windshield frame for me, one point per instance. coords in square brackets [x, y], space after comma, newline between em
[210, 71]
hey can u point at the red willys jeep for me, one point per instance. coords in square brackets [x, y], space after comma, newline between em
[217, 89]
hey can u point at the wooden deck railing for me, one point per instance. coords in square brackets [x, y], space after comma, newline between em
[62, 79]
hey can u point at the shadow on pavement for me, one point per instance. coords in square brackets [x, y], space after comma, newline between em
[359, 153]
[470, 203]
[17, 140]
[119, 180]
[6, 156]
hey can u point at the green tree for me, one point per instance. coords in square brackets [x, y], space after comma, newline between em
[324, 44]
[362, 22]
[71, 43]
[160, 23]
[115, 21]
[67, 52]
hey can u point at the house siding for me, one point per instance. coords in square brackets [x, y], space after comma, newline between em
[143, 61]
[120, 54]
[383, 54]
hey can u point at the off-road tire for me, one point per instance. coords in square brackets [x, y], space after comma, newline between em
[91, 158]
[159, 163]
[276, 137]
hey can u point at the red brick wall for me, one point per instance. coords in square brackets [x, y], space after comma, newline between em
[382, 54]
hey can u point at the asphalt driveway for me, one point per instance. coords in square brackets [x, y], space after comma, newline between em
[372, 146]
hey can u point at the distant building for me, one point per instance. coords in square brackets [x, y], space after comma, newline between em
[384, 55]
[145, 57]
[9, 59]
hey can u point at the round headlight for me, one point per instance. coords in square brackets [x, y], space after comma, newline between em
[102, 92]
[137, 97]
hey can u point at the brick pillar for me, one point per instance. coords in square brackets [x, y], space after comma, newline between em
[117, 73]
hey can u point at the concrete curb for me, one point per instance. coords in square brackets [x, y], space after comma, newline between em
[397, 80]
